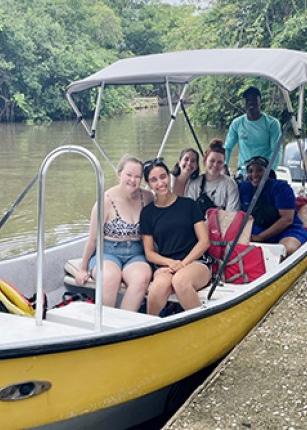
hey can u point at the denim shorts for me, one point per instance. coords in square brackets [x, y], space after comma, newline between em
[122, 253]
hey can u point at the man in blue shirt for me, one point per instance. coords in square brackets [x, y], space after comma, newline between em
[275, 216]
[255, 132]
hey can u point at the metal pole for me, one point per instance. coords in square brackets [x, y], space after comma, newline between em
[291, 111]
[171, 122]
[297, 127]
[191, 128]
[300, 107]
[301, 141]
[41, 230]
[88, 130]
[19, 198]
[97, 110]
[169, 97]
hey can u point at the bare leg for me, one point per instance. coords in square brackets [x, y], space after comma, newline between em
[137, 276]
[187, 281]
[291, 244]
[159, 291]
[112, 277]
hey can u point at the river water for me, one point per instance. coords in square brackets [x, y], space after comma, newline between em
[70, 185]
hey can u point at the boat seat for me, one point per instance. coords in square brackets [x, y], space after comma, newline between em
[71, 267]
[273, 253]
[284, 173]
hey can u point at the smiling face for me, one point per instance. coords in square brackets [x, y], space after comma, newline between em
[188, 163]
[252, 106]
[255, 174]
[130, 176]
[214, 164]
[158, 180]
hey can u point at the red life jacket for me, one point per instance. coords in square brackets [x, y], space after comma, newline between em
[246, 262]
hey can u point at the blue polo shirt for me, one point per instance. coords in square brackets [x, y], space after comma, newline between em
[279, 194]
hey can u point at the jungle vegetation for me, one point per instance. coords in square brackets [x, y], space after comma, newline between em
[46, 44]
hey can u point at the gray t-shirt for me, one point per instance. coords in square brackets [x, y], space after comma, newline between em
[223, 192]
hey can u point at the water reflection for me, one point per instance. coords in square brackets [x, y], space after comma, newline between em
[70, 185]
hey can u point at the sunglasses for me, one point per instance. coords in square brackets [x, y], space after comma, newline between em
[261, 161]
[154, 162]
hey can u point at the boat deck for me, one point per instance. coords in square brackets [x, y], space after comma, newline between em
[68, 322]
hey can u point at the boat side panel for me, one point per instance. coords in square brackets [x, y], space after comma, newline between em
[91, 379]
[21, 271]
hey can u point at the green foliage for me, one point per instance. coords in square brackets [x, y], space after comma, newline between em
[46, 44]
[116, 101]
[239, 23]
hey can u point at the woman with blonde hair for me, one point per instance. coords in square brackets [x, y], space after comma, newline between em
[123, 259]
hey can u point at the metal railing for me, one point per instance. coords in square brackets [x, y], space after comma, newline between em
[41, 228]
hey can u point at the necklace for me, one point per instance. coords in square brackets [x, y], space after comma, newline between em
[172, 199]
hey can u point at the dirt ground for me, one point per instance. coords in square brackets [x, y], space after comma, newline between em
[262, 384]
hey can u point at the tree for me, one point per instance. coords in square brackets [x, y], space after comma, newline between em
[47, 44]
[239, 23]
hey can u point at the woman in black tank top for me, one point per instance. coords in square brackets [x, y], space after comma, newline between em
[175, 239]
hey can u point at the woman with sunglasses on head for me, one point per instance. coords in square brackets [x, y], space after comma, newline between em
[123, 259]
[185, 170]
[275, 217]
[220, 190]
[175, 239]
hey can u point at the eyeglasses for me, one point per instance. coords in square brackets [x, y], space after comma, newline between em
[154, 162]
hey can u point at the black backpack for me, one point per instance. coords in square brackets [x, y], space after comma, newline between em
[204, 201]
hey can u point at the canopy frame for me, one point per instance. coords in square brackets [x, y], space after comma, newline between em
[91, 131]
[295, 120]
[286, 68]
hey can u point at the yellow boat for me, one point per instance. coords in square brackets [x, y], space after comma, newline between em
[87, 365]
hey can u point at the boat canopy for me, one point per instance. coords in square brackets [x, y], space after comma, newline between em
[287, 68]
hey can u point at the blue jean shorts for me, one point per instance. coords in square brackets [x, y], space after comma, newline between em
[122, 253]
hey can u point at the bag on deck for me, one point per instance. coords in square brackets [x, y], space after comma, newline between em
[246, 262]
[69, 297]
